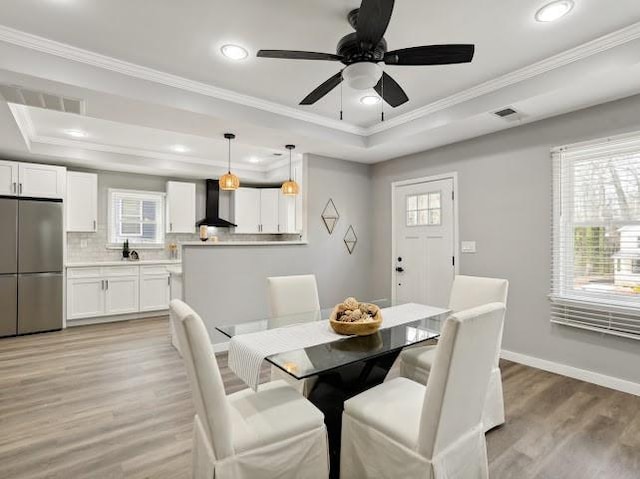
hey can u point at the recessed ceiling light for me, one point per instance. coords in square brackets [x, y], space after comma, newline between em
[554, 10]
[179, 148]
[254, 159]
[76, 133]
[234, 52]
[370, 100]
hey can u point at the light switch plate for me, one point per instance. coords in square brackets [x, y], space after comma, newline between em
[468, 247]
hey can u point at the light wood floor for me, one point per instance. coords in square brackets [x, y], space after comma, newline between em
[112, 401]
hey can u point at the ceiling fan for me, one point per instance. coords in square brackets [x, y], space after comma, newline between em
[362, 50]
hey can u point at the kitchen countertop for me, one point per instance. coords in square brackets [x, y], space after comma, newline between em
[175, 270]
[245, 243]
[122, 263]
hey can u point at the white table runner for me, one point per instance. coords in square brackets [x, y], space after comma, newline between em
[247, 351]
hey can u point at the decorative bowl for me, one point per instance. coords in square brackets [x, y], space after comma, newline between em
[357, 328]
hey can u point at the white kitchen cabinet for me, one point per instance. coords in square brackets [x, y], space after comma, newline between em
[286, 213]
[257, 210]
[181, 207]
[8, 178]
[269, 210]
[98, 291]
[82, 202]
[154, 288]
[247, 210]
[121, 295]
[41, 181]
[85, 297]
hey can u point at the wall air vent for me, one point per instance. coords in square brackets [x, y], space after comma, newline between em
[50, 101]
[506, 112]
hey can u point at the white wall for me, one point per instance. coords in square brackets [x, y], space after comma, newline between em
[505, 194]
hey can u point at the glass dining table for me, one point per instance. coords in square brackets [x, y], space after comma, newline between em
[346, 366]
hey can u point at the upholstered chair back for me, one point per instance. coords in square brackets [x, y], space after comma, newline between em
[206, 383]
[459, 378]
[471, 291]
[290, 295]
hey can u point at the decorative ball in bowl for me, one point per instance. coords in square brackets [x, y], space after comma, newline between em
[354, 318]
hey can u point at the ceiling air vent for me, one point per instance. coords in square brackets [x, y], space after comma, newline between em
[506, 112]
[50, 101]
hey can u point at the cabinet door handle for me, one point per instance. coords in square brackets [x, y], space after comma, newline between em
[102, 284]
[14, 187]
[168, 280]
[95, 225]
[107, 284]
[20, 192]
[170, 226]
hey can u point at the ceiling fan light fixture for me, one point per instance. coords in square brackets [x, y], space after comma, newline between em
[362, 75]
[370, 100]
[554, 11]
[234, 52]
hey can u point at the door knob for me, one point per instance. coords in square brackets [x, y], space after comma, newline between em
[400, 269]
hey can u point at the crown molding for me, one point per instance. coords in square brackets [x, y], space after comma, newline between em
[593, 47]
[69, 52]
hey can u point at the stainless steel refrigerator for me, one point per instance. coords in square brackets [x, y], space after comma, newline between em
[31, 269]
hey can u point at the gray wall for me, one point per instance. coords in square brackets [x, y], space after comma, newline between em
[227, 284]
[505, 194]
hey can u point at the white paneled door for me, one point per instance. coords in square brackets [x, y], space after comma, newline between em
[424, 232]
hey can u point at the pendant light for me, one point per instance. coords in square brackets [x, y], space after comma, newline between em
[290, 188]
[229, 181]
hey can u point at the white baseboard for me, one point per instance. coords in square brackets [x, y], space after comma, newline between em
[576, 373]
[113, 319]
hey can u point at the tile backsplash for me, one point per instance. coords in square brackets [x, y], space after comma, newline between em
[87, 247]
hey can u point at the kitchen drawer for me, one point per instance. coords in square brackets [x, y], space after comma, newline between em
[114, 271]
[84, 272]
[159, 269]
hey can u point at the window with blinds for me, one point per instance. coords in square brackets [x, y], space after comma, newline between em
[136, 216]
[596, 236]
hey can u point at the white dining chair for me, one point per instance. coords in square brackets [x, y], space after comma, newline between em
[273, 433]
[290, 296]
[467, 292]
[402, 428]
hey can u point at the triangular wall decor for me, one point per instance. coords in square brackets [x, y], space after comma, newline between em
[350, 239]
[330, 216]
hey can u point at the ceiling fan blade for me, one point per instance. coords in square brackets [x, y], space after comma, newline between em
[297, 55]
[431, 55]
[390, 91]
[373, 20]
[323, 89]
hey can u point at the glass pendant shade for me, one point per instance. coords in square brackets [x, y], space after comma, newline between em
[229, 182]
[290, 188]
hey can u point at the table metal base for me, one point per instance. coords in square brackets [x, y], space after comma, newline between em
[333, 388]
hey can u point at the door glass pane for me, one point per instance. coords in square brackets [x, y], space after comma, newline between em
[434, 217]
[423, 202]
[412, 218]
[423, 217]
[434, 200]
[412, 203]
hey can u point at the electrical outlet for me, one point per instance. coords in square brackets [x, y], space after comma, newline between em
[468, 247]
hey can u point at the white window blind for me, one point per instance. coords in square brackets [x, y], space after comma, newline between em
[136, 216]
[596, 236]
